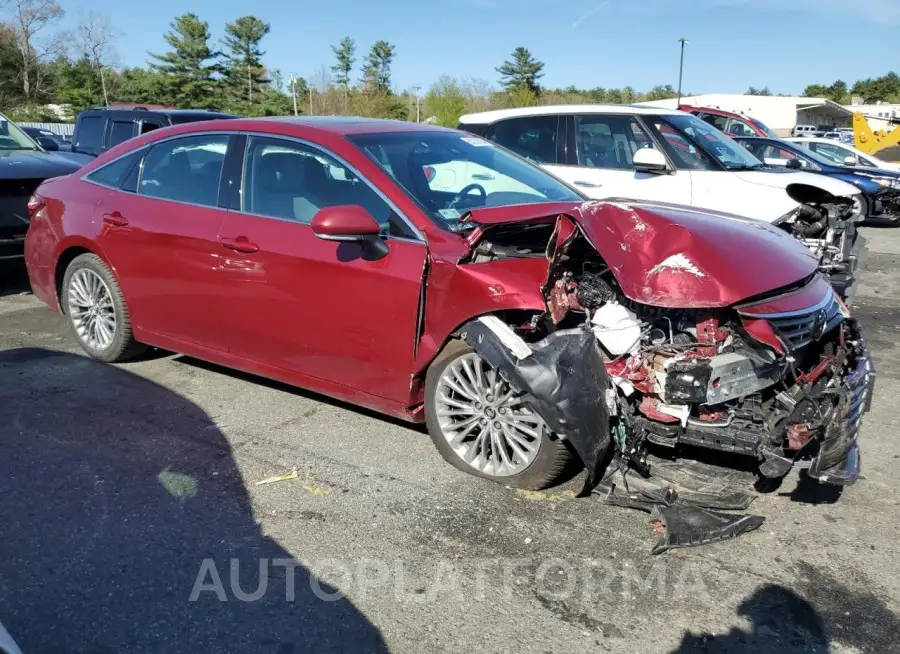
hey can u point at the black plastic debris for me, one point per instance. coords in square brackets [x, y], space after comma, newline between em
[566, 380]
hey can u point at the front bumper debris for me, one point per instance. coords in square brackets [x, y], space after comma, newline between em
[838, 459]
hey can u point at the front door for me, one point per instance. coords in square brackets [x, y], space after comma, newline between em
[160, 234]
[603, 162]
[322, 309]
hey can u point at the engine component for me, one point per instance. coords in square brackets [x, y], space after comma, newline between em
[616, 327]
[593, 291]
[687, 380]
[734, 375]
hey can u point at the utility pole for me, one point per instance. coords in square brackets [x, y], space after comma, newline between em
[416, 89]
[294, 93]
[310, 100]
[683, 42]
[103, 84]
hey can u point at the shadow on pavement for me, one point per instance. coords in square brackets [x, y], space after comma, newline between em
[780, 621]
[13, 277]
[117, 492]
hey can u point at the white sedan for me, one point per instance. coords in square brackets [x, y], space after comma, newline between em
[842, 153]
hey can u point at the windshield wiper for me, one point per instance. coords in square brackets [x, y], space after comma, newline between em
[747, 166]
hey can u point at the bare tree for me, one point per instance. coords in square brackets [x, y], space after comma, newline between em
[29, 20]
[97, 38]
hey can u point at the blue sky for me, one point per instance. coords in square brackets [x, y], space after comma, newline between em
[782, 44]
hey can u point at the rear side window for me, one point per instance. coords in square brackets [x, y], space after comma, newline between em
[89, 135]
[533, 137]
[115, 172]
[119, 132]
[186, 169]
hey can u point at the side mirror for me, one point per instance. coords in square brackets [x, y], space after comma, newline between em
[650, 160]
[350, 222]
[48, 144]
[850, 160]
[794, 164]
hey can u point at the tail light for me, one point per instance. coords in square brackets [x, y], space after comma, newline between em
[429, 173]
[35, 204]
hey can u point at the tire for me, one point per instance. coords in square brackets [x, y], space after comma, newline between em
[83, 273]
[551, 456]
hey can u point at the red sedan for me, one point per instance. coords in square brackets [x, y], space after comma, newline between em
[517, 320]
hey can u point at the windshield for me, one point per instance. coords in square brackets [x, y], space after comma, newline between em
[809, 154]
[449, 173]
[721, 147]
[764, 128]
[13, 138]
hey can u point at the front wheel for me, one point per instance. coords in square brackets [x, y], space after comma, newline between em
[483, 427]
[96, 310]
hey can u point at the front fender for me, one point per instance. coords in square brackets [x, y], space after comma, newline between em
[458, 293]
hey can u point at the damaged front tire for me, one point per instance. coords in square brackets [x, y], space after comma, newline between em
[482, 426]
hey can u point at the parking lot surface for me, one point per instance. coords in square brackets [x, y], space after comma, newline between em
[132, 520]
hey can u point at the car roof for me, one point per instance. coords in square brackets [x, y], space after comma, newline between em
[165, 112]
[486, 117]
[340, 125]
[713, 110]
[815, 139]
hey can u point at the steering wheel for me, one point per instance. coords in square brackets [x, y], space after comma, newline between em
[465, 191]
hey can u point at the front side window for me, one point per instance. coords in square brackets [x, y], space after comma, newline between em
[532, 137]
[185, 169]
[119, 132]
[835, 153]
[719, 122]
[715, 143]
[684, 153]
[292, 181]
[608, 140]
[740, 128]
[492, 176]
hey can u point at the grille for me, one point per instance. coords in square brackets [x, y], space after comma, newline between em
[800, 328]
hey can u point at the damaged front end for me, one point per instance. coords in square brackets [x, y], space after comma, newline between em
[630, 367]
[827, 225]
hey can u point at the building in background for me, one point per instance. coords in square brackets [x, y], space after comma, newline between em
[879, 114]
[780, 113]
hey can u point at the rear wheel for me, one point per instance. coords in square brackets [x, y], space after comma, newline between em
[483, 427]
[96, 310]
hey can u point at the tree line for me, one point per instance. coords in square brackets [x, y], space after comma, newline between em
[41, 65]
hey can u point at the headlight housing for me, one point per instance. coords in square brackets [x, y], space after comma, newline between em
[887, 182]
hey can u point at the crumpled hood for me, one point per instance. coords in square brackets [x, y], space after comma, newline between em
[666, 255]
[783, 178]
[674, 256]
[34, 164]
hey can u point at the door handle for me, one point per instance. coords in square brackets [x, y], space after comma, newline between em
[483, 176]
[239, 244]
[115, 218]
[580, 182]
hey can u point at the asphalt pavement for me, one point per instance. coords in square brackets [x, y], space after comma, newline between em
[132, 520]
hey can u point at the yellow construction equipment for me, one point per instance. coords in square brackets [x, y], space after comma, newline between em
[881, 144]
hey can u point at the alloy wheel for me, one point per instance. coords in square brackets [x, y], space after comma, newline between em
[486, 423]
[91, 309]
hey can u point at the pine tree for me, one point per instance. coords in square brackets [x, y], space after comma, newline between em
[377, 69]
[189, 67]
[344, 53]
[244, 71]
[522, 72]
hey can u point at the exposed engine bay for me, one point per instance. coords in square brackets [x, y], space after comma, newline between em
[782, 378]
[826, 224]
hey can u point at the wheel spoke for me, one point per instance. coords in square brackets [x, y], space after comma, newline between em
[91, 309]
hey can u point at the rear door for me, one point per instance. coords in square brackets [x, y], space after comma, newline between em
[602, 163]
[160, 232]
[316, 308]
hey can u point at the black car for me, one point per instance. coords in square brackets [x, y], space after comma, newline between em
[880, 188]
[100, 128]
[47, 139]
[24, 164]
